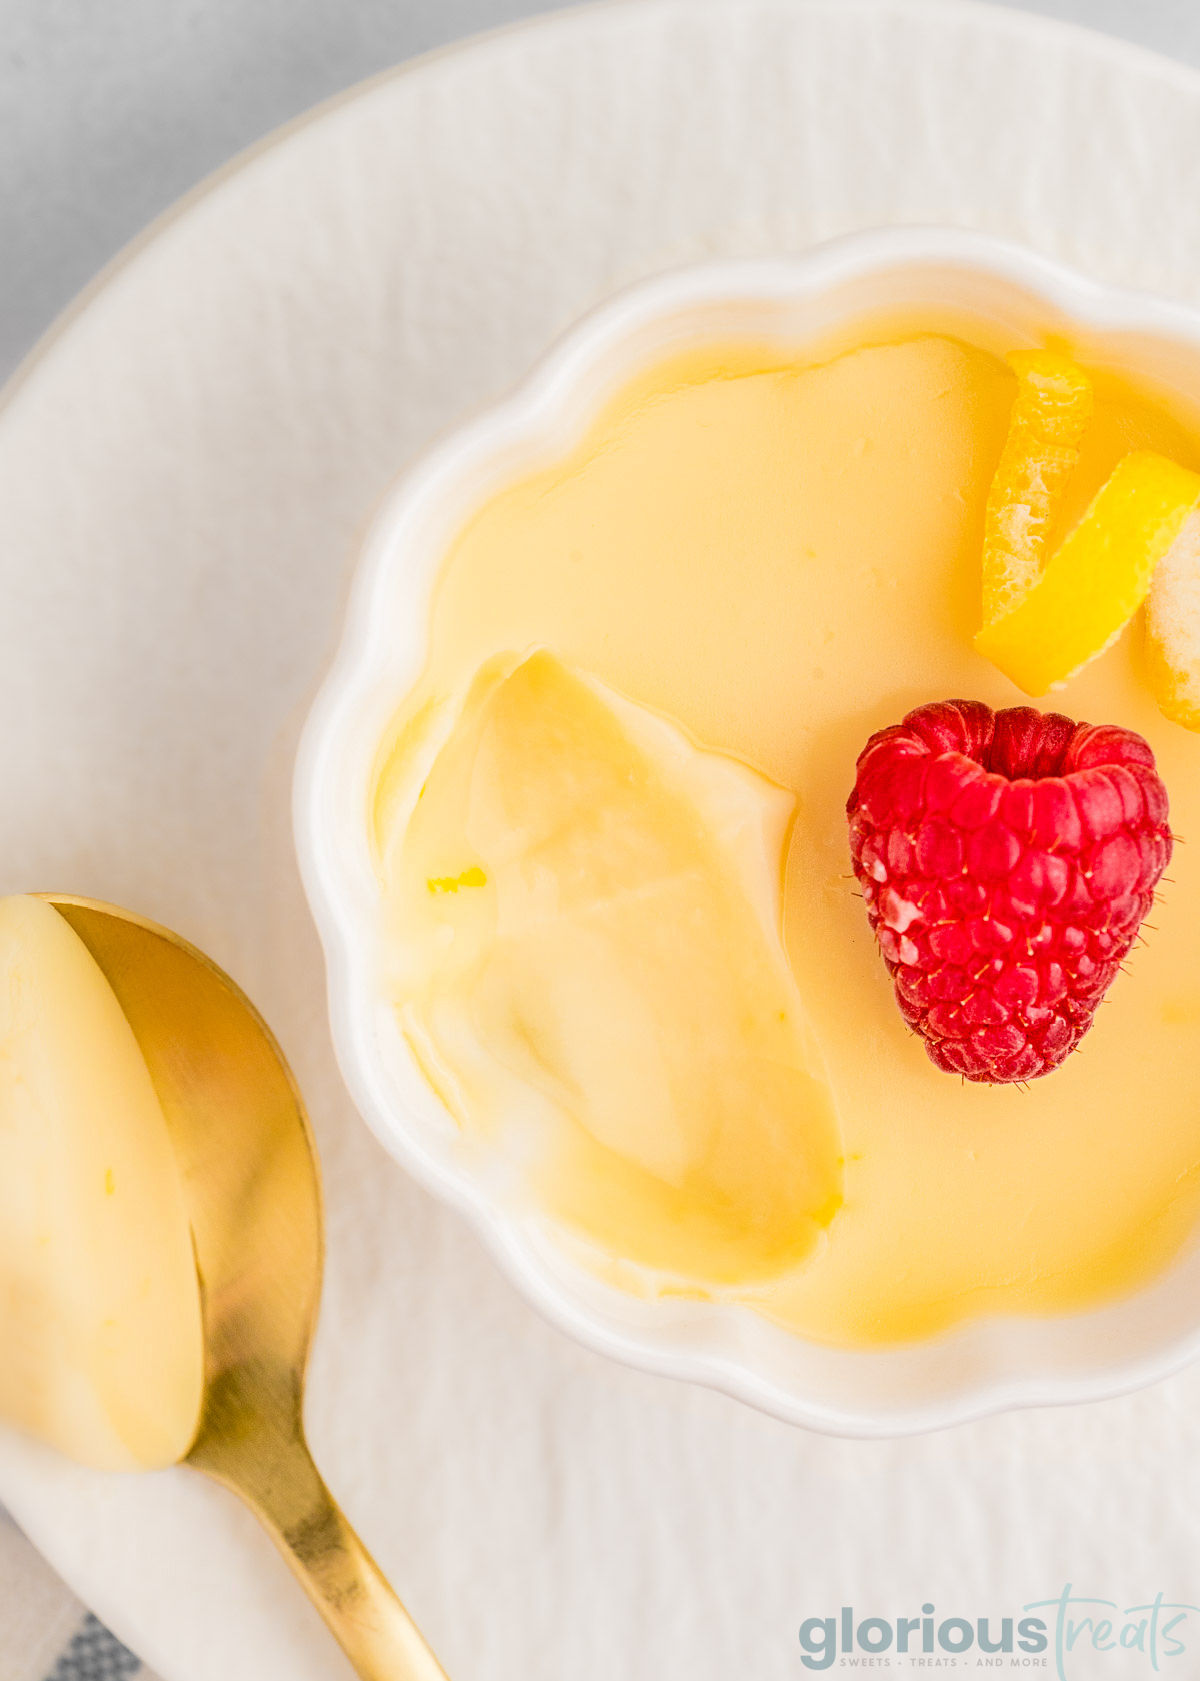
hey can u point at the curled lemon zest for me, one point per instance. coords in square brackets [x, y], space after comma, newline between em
[1049, 414]
[1173, 628]
[1098, 576]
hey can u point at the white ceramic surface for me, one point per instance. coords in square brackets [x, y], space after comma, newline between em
[978, 1368]
[184, 474]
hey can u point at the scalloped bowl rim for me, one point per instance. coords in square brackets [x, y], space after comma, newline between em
[985, 1366]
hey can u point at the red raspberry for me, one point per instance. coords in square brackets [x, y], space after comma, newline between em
[1007, 860]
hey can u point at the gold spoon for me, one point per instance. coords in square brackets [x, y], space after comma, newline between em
[239, 1129]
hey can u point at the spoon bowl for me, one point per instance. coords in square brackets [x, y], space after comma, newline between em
[242, 1137]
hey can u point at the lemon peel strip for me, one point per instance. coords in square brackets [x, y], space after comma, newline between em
[1049, 414]
[1097, 578]
[1173, 628]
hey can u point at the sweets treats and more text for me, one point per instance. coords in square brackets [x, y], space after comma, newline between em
[767, 935]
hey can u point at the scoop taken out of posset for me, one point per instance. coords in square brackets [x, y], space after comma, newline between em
[584, 952]
[101, 1349]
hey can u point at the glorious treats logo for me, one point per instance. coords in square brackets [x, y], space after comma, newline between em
[1065, 1637]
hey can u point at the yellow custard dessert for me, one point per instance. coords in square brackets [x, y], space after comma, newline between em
[599, 978]
[101, 1346]
[652, 665]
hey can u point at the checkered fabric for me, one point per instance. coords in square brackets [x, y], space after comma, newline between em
[45, 1633]
[94, 1655]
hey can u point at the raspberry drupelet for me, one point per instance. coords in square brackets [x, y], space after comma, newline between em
[1007, 860]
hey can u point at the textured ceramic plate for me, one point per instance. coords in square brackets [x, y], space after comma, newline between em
[185, 472]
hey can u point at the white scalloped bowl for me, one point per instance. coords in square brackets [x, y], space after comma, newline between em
[979, 1368]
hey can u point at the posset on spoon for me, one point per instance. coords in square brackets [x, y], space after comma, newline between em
[161, 1240]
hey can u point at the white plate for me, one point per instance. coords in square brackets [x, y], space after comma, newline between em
[184, 473]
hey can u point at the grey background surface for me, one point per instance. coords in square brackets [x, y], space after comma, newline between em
[110, 109]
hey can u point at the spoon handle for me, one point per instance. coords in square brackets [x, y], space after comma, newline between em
[288, 1495]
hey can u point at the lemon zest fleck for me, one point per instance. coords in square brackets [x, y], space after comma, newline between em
[474, 877]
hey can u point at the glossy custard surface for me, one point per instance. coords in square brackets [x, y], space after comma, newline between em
[782, 557]
[590, 970]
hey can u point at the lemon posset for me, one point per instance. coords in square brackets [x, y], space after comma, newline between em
[99, 1299]
[605, 993]
[756, 558]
